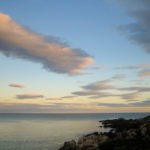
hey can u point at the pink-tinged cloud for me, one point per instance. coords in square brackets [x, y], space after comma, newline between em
[145, 73]
[29, 96]
[17, 41]
[15, 85]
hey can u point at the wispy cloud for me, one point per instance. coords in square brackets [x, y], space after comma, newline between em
[40, 108]
[103, 95]
[119, 77]
[54, 98]
[29, 96]
[136, 89]
[130, 96]
[144, 73]
[142, 66]
[139, 29]
[68, 97]
[103, 89]
[85, 93]
[98, 67]
[99, 85]
[145, 103]
[15, 85]
[113, 104]
[19, 42]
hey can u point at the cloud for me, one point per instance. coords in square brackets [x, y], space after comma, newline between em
[16, 85]
[112, 104]
[17, 41]
[102, 95]
[139, 29]
[118, 77]
[62, 98]
[54, 99]
[85, 93]
[100, 85]
[29, 96]
[136, 88]
[144, 73]
[68, 97]
[143, 103]
[130, 96]
[40, 108]
[142, 66]
[99, 67]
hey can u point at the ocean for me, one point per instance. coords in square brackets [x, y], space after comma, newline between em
[50, 131]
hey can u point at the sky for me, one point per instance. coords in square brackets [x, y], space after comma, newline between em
[73, 56]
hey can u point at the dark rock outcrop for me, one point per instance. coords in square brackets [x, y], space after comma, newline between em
[125, 135]
[70, 145]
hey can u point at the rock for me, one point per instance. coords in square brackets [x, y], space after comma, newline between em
[125, 135]
[70, 145]
[91, 141]
[131, 134]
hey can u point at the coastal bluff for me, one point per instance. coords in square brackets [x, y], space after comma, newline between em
[124, 134]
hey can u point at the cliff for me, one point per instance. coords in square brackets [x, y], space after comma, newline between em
[132, 134]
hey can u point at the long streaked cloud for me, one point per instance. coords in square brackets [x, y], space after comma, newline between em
[118, 77]
[130, 96]
[144, 73]
[139, 29]
[62, 98]
[145, 103]
[17, 41]
[102, 89]
[112, 104]
[127, 96]
[98, 67]
[102, 95]
[99, 85]
[142, 66]
[136, 89]
[69, 97]
[29, 96]
[16, 85]
[85, 93]
[54, 98]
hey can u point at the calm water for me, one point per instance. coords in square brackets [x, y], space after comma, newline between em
[49, 131]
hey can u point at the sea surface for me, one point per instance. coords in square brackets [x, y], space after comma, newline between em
[50, 131]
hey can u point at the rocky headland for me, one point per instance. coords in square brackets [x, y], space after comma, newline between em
[124, 134]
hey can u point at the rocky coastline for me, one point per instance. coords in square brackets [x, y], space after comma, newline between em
[125, 134]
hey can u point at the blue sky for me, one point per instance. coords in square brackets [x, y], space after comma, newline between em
[74, 56]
